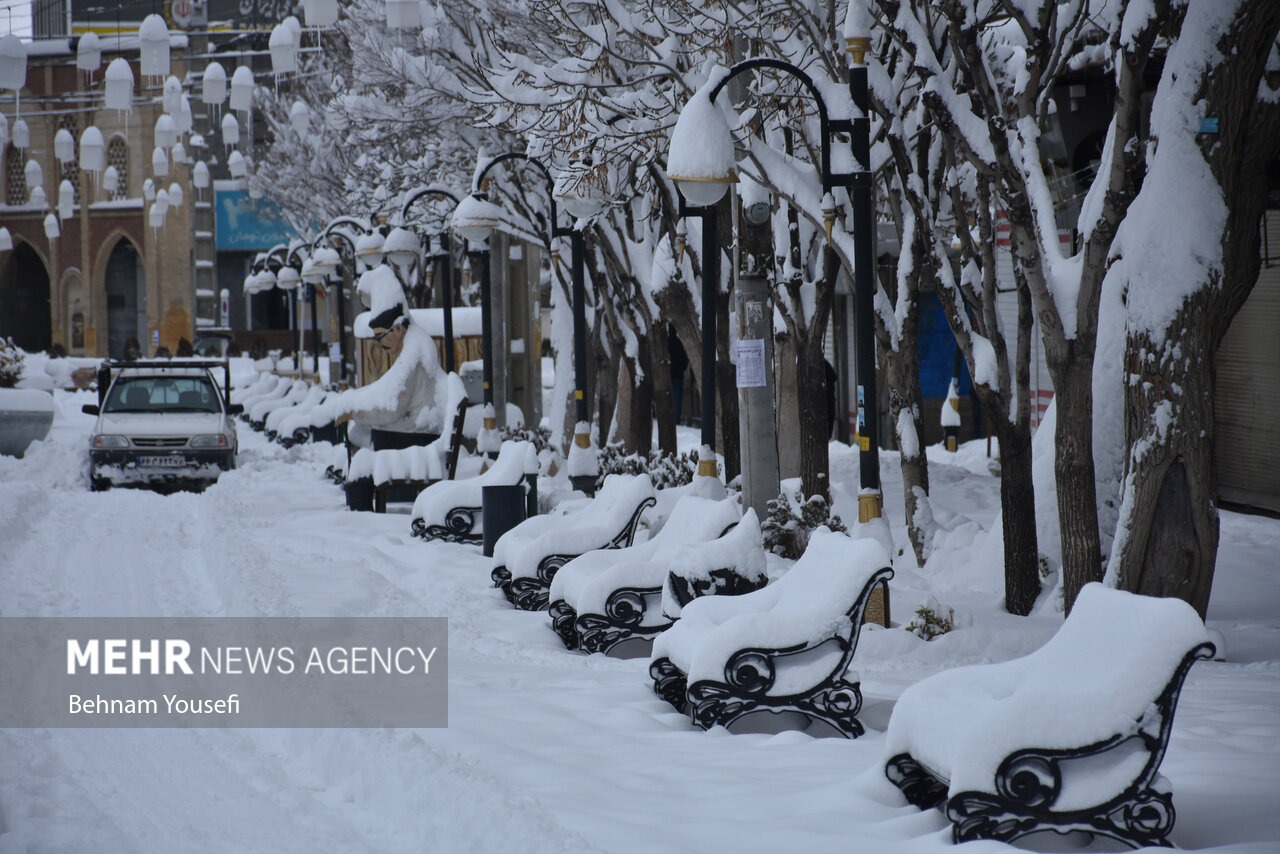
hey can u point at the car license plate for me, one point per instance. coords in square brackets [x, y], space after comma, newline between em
[161, 461]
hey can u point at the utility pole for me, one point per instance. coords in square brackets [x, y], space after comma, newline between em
[754, 351]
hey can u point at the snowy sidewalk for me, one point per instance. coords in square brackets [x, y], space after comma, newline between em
[546, 750]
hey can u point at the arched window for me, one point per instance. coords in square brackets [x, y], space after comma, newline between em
[118, 156]
[71, 169]
[15, 179]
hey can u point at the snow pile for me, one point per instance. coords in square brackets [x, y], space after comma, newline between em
[411, 397]
[807, 605]
[1098, 676]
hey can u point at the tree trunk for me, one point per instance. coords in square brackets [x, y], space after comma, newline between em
[902, 374]
[637, 427]
[664, 409]
[1018, 517]
[1168, 540]
[1167, 535]
[606, 383]
[1073, 468]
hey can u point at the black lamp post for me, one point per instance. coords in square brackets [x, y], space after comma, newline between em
[858, 184]
[710, 284]
[334, 234]
[446, 254]
[471, 220]
[285, 261]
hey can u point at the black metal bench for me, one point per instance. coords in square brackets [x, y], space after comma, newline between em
[408, 489]
[453, 510]
[528, 556]
[611, 601]
[715, 665]
[1101, 686]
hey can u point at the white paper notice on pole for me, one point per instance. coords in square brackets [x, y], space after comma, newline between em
[750, 357]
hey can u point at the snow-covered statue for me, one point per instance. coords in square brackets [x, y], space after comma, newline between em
[411, 397]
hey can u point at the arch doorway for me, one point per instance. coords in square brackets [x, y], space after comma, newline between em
[126, 284]
[24, 301]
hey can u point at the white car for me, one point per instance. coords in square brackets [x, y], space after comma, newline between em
[162, 423]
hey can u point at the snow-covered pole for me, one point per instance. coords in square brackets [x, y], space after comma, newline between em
[446, 290]
[701, 162]
[857, 33]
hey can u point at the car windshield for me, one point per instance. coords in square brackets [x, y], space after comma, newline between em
[162, 394]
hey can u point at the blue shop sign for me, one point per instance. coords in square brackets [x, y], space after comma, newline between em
[246, 224]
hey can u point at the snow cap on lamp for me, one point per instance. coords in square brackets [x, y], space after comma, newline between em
[700, 159]
[13, 62]
[230, 130]
[402, 247]
[66, 200]
[89, 53]
[92, 149]
[213, 85]
[110, 180]
[474, 218]
[242, 89]
[284, 54]
[153, 40]
[64, 146]
[119, 86]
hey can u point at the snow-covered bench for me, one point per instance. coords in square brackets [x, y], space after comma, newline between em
[730, 566]
[261, 386]
[1066, 739]
[782, 650]
[526, 558]
[259, 411]
[452, 510]
[274, 425]
[413, 469]
[611, 601]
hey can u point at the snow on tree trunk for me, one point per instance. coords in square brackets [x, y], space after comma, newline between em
[1186, 278]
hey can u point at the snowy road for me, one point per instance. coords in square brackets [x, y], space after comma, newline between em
[546, 750]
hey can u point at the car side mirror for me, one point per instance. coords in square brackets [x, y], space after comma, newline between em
[235, 409]
[90, 409]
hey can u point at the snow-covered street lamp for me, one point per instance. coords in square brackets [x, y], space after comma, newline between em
[583, 198]
[700, 162]
[474, 219]
[445, 254]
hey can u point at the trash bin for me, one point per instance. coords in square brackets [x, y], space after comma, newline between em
[359, 494]
[503, 507]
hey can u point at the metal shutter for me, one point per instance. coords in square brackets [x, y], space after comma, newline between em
[1246, 454]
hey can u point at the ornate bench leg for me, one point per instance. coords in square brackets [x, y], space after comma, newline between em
[562, 619]
[921, 788]
[669, 683]
[835, 704]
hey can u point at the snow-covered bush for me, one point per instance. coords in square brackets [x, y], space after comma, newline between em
[539, 436]
[791, 521]
[666, 470]
[10, 363]
[930, 621]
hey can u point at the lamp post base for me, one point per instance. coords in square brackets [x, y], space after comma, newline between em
[869, 506]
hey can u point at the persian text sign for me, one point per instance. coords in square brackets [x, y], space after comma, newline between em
[248, 224]
[223, 672]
